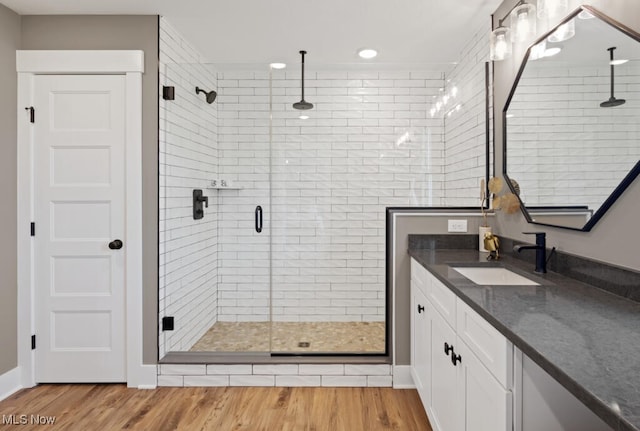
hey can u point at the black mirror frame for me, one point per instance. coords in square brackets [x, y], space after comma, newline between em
[626, 181]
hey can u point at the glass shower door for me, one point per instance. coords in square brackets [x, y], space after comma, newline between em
[215, 271]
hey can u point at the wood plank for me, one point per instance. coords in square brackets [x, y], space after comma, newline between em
[116, 407]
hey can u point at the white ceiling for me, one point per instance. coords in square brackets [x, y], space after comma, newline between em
[429, 32]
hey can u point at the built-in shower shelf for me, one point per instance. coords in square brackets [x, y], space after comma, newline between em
[223, 184]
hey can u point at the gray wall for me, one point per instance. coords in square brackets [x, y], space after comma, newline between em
[616, 237]
[429, 223]
[119, 32]
[9, 42]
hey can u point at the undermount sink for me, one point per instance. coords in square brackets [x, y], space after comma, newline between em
[494, 276]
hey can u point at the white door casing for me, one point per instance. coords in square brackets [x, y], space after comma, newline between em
[130, 66]
[79, 205]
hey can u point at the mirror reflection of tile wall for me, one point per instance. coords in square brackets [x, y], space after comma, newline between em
[563, 148]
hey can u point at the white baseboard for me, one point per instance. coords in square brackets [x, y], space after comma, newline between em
[10, 383]
[146, 377]
[402, 377]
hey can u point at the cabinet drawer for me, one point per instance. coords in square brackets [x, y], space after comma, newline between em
[420, 278]
[443, 299]
[489, 345]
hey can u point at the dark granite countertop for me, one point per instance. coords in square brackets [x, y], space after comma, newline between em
[584, 337]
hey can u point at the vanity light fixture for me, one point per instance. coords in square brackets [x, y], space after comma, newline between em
[523, 22]
[278, 66]
[500, 41]
[367, 53]
[523, 29]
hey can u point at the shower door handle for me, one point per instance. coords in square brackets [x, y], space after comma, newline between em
[258, 219]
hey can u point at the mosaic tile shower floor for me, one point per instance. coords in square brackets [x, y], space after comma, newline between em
[330, 337]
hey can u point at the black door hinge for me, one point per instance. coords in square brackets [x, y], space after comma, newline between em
[32, 114]
[168, 93]
[33, 342]
[33, 229]
[167, 323]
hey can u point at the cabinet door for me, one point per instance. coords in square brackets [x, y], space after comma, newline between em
[445, 415]
[421, 344]
[484, 403]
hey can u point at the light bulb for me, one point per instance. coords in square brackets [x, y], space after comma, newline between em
[523, 22]
[500, 42]
[501, 46]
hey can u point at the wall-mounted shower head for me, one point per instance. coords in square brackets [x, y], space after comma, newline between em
[210, 95]
[302, 104]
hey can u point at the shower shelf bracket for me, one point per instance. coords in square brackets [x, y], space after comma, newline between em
[223, 184]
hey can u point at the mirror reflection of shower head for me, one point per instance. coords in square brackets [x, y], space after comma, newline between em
[612, 100]
[210, 95]
[302, 104]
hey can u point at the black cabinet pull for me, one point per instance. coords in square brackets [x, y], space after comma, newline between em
[455, 358]
[447, 348]
[420, 308]
[116, 244]
[258, 219]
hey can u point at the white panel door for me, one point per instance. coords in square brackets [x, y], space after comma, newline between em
[79, 206]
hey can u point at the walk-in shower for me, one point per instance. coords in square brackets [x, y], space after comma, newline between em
[311, 280]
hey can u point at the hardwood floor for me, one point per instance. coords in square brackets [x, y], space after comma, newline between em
[115, 407]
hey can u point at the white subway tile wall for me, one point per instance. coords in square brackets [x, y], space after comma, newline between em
[368, 144]
[188, 160]
[465, 133]
[559, 135]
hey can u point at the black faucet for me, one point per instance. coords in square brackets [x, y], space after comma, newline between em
[540, 248]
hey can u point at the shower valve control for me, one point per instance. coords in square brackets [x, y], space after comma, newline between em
[198, 200]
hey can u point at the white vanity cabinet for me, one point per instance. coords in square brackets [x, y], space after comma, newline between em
[421, 312]
[469, 367]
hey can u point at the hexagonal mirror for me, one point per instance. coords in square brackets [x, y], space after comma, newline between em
[572, 121]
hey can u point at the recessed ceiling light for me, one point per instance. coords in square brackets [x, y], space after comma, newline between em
[278, 65]
[618, 62]
[552, 51]
[367, 53]
[304, 117]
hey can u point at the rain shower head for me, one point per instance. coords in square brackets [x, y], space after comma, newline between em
[302, 104]
[612, 100]
[210, 95]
